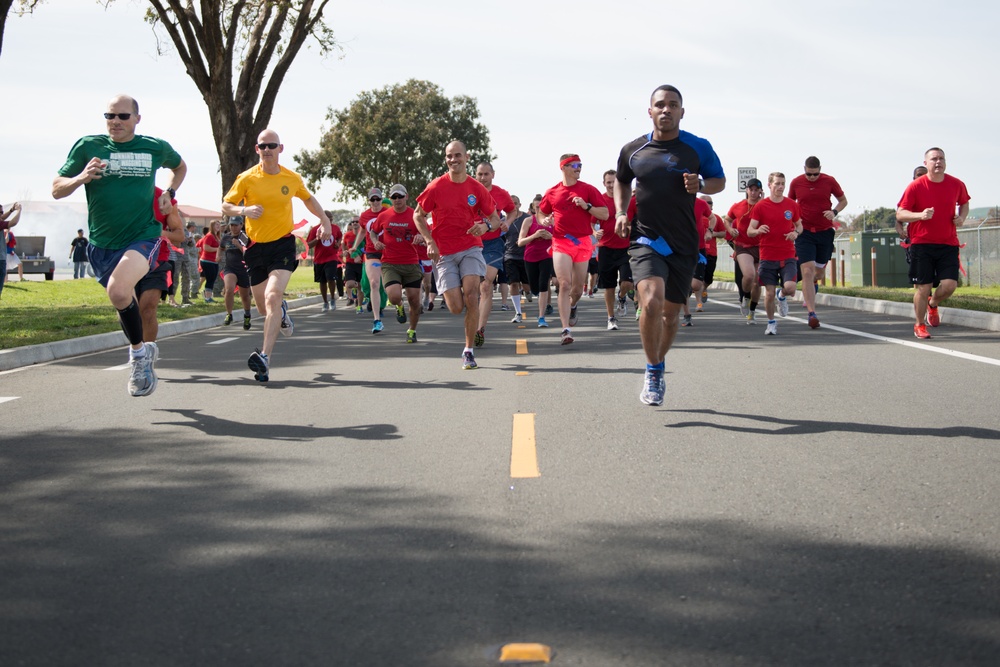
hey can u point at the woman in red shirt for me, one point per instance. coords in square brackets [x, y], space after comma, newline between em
[209, 259]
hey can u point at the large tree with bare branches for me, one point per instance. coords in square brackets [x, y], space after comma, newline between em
[238, 52]
[23, 7]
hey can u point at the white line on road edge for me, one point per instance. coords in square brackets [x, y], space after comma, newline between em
[221, 341]
[4, 399]
[887, 339]
[119, 368]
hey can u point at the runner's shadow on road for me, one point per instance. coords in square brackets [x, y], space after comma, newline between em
[215, 426]
[325, 380]
[583, 370]
[330, 379]
[799, 427]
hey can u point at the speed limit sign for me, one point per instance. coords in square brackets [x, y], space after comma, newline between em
[745, 174]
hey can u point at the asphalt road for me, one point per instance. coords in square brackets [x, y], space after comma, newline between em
[825, 497]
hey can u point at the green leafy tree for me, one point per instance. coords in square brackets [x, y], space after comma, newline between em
[395, 134]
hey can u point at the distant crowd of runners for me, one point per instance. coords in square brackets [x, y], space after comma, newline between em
[648, 239]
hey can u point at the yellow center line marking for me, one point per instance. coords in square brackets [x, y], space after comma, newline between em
[523, 457]
[521, 346]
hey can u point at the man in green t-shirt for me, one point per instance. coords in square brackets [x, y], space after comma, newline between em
[118, 172]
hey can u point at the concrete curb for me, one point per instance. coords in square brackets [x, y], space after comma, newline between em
[963, 318]
[37, 354]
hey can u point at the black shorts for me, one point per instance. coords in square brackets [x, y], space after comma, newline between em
[327, 272]
[777, 272]
[933, 262]
[712, 261]
[236, 267]
[263, 258]
[814, 247]
[515, 270]
[155, 279]
[539, 275]
[353, 271]
[699, 268]
[674, 270]
[592, 266]
[612, 267]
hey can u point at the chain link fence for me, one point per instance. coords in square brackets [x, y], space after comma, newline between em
[980, 256]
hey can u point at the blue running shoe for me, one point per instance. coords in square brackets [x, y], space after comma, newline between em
[653, 388]
[259, 365]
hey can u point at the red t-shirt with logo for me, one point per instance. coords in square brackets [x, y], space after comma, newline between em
[610, 239]
[503, 202]
[814, 199]
[571, 219]
[945, 198]
[325, 251]
[456, 207]
[780, 218]
[739, 213]
[397, 231]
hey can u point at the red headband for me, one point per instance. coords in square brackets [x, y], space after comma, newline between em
[571, 158]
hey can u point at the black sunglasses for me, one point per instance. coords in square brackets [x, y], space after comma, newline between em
[397, 197]
[374, 199]
[271, 145]
[119, 116]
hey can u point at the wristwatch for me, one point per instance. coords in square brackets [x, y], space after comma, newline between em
[172, 193]
[489, 227]
[589, 206]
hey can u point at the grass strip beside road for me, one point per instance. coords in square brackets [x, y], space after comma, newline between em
[982, 299]
[34, 312]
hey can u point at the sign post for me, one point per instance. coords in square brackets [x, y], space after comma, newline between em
[745, 174]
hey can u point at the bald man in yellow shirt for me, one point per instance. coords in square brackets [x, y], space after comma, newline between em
[263, 196]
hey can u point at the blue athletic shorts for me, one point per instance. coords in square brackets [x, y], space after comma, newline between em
[104, 261]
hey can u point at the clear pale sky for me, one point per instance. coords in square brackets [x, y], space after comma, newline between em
[866, 86]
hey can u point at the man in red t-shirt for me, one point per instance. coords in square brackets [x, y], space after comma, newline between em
[400, 262]
[747, 250]
[373, 255]
[812, 191]
[152, 286]
[777, 223]
[703, 219]
[928, 209]
[613, 269]
[493, 246]
[716, 230]
[463, 212]
[353, 264]
[572, 205]
[326, 262]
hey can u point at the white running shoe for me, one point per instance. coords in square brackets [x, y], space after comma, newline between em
[772, 329]
[783, 306]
